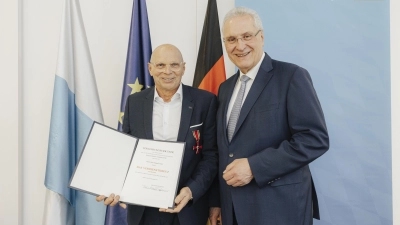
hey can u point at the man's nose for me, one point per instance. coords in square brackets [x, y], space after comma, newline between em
[167, 69]
[240, 44]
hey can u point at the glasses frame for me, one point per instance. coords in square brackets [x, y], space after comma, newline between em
[242, 38]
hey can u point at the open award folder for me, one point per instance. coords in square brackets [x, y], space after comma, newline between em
[143, 172]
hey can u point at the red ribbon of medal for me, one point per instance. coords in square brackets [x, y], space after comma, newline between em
[197, 147]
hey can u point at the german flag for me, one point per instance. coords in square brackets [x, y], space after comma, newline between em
[210, 67]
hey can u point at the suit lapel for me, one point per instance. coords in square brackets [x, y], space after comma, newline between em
[262, 79]
[148, 114]
[186, 114]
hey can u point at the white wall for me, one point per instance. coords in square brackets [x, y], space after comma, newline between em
[29, 29]
[10, 116]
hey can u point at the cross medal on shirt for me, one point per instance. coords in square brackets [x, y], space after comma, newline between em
[197, 147]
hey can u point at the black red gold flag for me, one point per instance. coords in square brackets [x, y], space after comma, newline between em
[210, 67]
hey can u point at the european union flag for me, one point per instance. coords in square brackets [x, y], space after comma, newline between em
[137, 78]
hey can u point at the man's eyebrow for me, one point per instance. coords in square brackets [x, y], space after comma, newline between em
[247, 32]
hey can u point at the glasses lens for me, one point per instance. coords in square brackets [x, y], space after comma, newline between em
[247, 37]
[231, 40]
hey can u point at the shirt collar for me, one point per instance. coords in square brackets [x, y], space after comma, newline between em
[253, 72]
[178, 94]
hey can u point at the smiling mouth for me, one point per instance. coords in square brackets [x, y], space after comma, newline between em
[168, 79]
[242, 55]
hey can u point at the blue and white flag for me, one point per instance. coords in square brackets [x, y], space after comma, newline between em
[76, 105]
[137, 78]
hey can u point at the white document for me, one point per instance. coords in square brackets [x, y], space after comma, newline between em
[142, 172]
[154, 174]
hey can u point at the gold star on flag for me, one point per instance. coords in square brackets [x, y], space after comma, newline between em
[121, 114]
[136, 87]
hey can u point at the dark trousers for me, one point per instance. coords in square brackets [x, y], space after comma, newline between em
[152, 216]
[234, 216]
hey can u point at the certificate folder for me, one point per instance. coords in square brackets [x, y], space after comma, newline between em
[143, 172]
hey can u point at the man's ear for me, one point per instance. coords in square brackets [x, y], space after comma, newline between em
[183, 68]
[149, 67]
[262, 36]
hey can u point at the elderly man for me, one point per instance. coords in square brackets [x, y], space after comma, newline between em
[171, 111]
[270, 126]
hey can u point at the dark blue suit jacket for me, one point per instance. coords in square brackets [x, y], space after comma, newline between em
[281, 129]
[198, 170]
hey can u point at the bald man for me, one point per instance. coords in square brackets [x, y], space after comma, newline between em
[171, 111]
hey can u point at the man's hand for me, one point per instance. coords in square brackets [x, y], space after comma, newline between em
[185, 195]
[111, 200]
[215, 214]
[238, 173]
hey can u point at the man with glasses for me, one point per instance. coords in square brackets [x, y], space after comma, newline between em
[270, 126]
[171, 111]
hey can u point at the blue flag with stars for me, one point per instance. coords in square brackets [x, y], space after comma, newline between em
[137, 78]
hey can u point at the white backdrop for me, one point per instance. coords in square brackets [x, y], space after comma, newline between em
[29, 35]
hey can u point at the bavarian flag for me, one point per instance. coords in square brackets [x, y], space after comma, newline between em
[210, 67]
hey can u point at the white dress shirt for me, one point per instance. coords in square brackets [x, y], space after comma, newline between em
[252, 75]
[167, 116]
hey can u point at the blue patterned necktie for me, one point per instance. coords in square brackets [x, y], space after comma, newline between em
[236, 107]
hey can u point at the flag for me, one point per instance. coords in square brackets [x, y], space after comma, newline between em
[75, 106]
[137, 78]
[210, 67]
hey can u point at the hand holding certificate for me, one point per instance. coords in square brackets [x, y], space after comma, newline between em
[140, 171]
[185, 195]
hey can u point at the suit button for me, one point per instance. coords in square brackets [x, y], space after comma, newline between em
[231, 155]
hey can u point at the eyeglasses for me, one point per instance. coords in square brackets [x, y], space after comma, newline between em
[173, 66]
[245, 38]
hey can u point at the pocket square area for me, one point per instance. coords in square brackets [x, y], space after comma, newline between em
[197, 125]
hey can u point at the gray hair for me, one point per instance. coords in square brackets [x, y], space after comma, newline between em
[243, 11]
